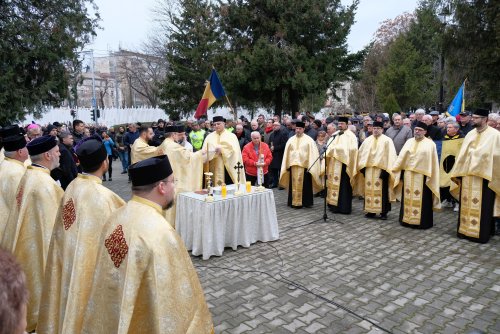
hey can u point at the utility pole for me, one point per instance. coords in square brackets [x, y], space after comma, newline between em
[94, 105]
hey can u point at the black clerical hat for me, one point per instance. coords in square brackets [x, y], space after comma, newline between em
[91, 153]
[41, 144]
[170, 128]
[150, 170]
[14, 143]
[343, 119]
[300, 124]
[481, 112]
[378, 124]
[10, 130]
[421, 125]
[180, 128]
[218, 119]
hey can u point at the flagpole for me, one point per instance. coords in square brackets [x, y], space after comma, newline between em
[231, 107]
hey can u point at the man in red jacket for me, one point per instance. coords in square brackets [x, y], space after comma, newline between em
[256, 154]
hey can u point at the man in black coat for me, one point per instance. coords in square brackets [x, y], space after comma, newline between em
[277, 142]
[67, 170]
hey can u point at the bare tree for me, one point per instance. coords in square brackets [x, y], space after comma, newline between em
[143, 72]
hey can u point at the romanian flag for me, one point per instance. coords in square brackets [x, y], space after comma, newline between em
[213, 92]
[458, 103]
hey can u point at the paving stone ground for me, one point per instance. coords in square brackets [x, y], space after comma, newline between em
[352, 275]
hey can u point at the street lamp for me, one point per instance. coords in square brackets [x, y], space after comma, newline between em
[442, 18]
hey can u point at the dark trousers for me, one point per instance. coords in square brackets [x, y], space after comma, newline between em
[110, 168]
[275, 177]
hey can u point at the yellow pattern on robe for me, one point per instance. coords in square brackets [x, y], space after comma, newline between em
[418, 157]
[229, 157]
[301, 152]
[11, 172]
[375, 154]
[479, 156]
[188, 171]
[29, 231]
[144, 280]
[141, 150]
[343, 150]
[85, 207]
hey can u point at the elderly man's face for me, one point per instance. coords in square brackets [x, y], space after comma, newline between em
[254, 125]
[412, 117]
[219, 126]
[427, 119]
[397, 121]
[255, 138]
[492, 123]
[239, 129]
[407, 122]
[276, 126]
[451, 130]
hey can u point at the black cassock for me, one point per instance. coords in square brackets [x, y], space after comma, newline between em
[307, 191]
[426, 216]
[344, 204]
[487, 221]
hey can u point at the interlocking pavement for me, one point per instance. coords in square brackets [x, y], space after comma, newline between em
[352, 275]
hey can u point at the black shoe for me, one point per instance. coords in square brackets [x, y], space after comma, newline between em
[110, 179]
[281, 188]
[104, 180]
[124, 172]
[383, 216]
[369, 215]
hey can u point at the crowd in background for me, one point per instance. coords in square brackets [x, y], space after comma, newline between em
[274, 131]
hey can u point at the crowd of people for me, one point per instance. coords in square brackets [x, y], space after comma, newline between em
[82, 247]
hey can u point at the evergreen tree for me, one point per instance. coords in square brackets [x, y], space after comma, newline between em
[192, 48]
[38, 39]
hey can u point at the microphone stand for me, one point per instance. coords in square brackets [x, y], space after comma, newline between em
[323, 154]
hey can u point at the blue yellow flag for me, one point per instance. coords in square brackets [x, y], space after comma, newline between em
[213, 92]
[458, 104]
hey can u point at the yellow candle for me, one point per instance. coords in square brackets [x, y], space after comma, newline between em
[249, 186]
[223, 190]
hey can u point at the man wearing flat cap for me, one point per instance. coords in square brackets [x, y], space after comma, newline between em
[12, 170]
[32, 218]
[85, 207]
[374, 178]
[144, 280]
[300, 153]
[227, 154]
[416, 174]
[476, 180]
[341, 163]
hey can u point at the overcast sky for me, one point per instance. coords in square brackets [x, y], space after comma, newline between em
[127, 23]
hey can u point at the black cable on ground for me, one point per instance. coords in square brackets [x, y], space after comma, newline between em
[298, 286]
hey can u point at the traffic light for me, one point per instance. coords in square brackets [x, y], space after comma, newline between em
[92, 115]
[98, 113]
[73, 113]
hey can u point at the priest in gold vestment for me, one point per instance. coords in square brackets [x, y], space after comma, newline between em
[416, 174]
[141, 150]
[476, 180]
[30, 223]
[187, 167]
[300, 153]
[144, 280]
[374, 178]
[85, 207]
[341, 156]
[12, 170]
[228, 154]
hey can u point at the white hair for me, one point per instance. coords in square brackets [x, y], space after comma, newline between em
[494, 117]
[428, 117]
[450, 119]
[420, 112]
[10, 154]
[255, 133]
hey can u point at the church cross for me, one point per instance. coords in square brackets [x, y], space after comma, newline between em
[238, 167]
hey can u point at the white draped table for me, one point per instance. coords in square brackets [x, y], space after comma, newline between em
[207, 227]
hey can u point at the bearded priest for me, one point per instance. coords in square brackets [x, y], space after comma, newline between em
[31, 221]
[416, 180]
[86, 205]
[374, 178]
[144, 280]
[300, 153]
[228, 154]
[476, 180]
